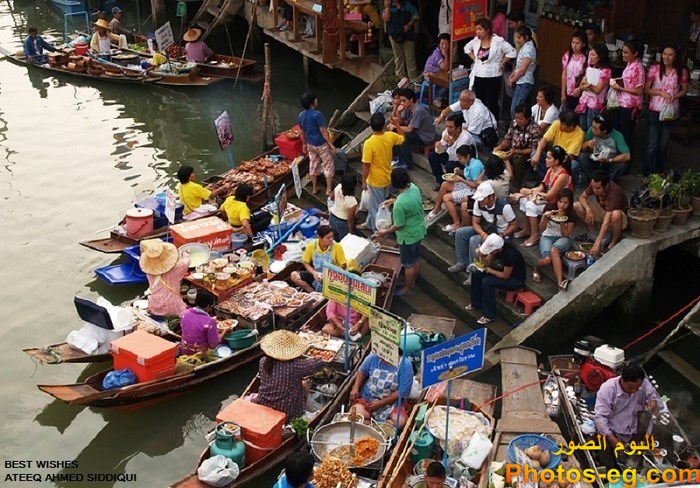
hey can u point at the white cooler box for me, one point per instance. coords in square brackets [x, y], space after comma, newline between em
[102, 323]
[359, 248]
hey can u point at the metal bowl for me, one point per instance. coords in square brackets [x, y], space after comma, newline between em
[337, 434]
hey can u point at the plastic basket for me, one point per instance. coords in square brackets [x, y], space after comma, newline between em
[528, 440]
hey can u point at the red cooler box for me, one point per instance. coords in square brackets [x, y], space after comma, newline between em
[290, 148]
[212, 231]
[150, 357]
[260, 426]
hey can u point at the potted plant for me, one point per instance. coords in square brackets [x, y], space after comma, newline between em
[680, 193]
[694, 182]
[659, 186]
[642, 219]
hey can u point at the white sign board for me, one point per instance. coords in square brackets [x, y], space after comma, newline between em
[386, 334]
[164, 36]
[297, 178]
[170, 204]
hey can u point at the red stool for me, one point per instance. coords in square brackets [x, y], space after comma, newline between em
[529, 301]
[510, 295]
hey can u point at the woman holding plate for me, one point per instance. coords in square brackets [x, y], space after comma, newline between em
[319, 252]
[533, 200]
[556, 225]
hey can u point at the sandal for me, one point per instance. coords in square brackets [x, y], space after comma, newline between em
[521, 235]
[564, 285]
[536, 277]
[529, 243]
[450, 228]
[484, 320]
[470, 308]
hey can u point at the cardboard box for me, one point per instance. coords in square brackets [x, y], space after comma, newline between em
[210, 230]
[150, 357]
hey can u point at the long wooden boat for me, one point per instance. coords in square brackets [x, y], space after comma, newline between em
[113, 77]
[117, 242]
[523, 410]
[292, 444]
[399, 466]
[64, 353]
[222, 66]
[567, 373]
[184, 80]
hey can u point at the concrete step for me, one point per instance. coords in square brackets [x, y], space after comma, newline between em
[364, 116]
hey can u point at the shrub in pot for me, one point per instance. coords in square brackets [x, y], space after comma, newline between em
[694, 189]
[658, 187]
[680, 193]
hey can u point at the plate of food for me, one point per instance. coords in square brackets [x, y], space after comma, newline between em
[428, 205]
[303, 296]
[277, 301]
[449, 176]
[540, 199]
[559, 218]
[321, 354]
[500, 154]
[227, 324]
[288, 291]
[294, 303]
[585, 246]
[575, 255]
[278, 284]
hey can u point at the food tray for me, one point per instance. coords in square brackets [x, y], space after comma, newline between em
[322, 354]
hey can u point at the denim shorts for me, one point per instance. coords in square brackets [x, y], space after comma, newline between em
[548, 242]
[409, 253]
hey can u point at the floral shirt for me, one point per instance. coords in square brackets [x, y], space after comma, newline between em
[574, 66]
[593, 101]
[669, 84]
[632, 77]
[165, 298]
[525, 138]
[527, 51]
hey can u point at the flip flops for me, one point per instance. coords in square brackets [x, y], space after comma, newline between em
[470, 307]
[484, 320]
[536, 277]
[564, 285]
[529, 243]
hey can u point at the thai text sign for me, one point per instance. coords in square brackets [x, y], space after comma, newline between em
[170, 204]
[386, 334]
[335, 287]
[453, 358]
[164, 36]
[464, 14]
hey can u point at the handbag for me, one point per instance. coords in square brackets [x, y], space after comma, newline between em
[489, 136]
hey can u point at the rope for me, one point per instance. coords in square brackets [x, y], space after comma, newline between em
[245, 45]
[660, 325]
[508, 393]
[57, 358]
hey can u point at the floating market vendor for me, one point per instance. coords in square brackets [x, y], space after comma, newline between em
[282, 372]
[238, 213]
[192, 194]
[164, 269]
[199, 330]
[116, 26]
[34, 46]
[196, 49]
[298, 471]
[377, 387]
[102, 39]
[618, 404]
[336, 314]
[319, 252]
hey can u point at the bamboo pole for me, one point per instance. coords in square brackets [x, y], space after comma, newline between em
[266, 97]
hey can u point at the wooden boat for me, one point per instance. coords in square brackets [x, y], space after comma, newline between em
[222, 66]
[292, 444]
[523, 410]
[68, 6]
[117, 242]
[115, 76]
[399, 466]
[64, 353]
[567, 373]
[185, 80]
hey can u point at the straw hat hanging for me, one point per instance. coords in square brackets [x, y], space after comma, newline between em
[283, 345]
[157, 257]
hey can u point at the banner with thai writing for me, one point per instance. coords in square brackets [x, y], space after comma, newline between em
[335, 287]
[386, 334]
[454, 358]
[464, 14]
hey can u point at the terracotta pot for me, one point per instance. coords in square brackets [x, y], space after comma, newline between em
[695, 201]
[641, 221]
[680, 215]
[663, 221]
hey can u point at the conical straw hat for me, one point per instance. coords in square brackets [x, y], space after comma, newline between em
[283, 345]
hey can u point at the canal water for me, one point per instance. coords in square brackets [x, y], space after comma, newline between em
[73, 156]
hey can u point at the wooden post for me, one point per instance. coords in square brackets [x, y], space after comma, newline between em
[266, 98]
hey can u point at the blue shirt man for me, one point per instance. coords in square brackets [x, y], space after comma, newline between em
[34, 46]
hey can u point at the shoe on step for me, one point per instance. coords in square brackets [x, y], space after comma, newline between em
[456, 268]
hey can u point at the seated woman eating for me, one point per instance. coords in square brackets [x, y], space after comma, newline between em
[336, 313]
[533, 200]
[282, 372]
[377, 387]
[456, 192]
[319, 252]
[556, 225]
[199, 331]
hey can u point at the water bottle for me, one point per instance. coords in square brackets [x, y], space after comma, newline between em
[589, 260]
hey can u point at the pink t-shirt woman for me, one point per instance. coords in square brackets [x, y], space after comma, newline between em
[593, 101]
[574, 66]
[632, 77]
[668, 84]
[165, 296]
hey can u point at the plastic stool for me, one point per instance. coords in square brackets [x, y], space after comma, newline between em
[529, 301]
[573, 266]
[510, 294]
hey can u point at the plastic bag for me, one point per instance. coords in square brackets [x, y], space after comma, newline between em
[364, 201]
[477, 451]
[380, 103]
[218, 471]
[383, 219]
[612, 100]
[668, 113]
[118, 378]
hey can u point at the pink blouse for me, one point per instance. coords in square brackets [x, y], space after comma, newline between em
[335, 309]
[669, 85]
[165, 296]
[574, 67]
[593, 101]
[632, 77]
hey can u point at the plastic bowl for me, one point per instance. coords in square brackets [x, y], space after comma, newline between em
[223, 276]
[528, 440]
[197, 276]
[240, 339]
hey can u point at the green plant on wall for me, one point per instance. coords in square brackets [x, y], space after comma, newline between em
[659, 186]
[681, 191]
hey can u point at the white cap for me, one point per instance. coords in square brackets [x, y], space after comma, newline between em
[483, 191]
[493, 242]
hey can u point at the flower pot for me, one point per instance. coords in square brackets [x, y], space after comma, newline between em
[641, 221]
[695, 201]
[663, 220]
[680, 215]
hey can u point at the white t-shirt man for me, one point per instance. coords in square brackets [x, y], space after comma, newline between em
[487, 215]
[476, 118]
[464, 138]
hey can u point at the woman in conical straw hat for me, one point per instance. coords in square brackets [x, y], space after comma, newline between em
[103, 38]
[164, 269]
[196, 49]
[282, 371]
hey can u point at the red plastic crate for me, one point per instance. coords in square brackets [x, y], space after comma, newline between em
[290, 148]
[150, 357]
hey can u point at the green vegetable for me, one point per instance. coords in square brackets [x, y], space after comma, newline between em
[300, 426]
